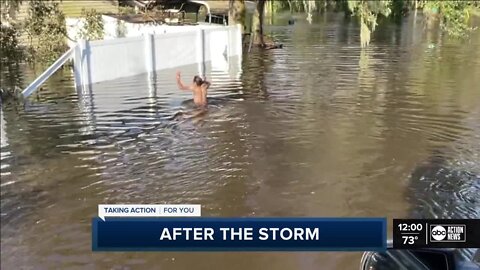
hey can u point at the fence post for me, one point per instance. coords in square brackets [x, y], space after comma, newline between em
[84, 65]
[150, 64]
[201, 51]
[47, 73]
[150, 55]
[230, 44]
[77, 66]
[82, 44]
[239, 40]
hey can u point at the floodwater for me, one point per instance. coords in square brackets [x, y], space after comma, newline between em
[319, 128]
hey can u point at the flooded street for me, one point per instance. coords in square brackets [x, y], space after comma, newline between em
[318, 128]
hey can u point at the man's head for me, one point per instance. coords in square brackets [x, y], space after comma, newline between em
[198, 80]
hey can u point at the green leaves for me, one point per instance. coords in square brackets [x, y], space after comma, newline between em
[46, 29]
[367, 12]
[93, 25]
[453, 15]
[8, 41]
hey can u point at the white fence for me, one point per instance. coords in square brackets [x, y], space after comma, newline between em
[105, 60]
[3, 131]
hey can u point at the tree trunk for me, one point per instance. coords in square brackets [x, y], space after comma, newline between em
[258, 22]
[236, 13]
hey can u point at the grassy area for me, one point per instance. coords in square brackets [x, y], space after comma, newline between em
[74, 8]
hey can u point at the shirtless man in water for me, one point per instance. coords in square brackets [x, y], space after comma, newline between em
[199, 88]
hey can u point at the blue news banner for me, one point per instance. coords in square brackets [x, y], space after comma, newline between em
[239, 234]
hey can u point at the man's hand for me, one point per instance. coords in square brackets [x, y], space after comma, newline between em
[181, 86]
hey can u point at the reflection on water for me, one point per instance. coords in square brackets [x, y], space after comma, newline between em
[319, 128]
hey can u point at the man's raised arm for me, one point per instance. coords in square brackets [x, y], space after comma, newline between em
[181, 86]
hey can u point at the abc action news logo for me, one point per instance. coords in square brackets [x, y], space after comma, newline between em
[447, 233]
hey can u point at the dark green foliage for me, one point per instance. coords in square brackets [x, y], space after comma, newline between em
[453, 15]
[46, 30]
[8, 42]
[399, 9]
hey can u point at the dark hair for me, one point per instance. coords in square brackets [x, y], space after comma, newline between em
[198, 80]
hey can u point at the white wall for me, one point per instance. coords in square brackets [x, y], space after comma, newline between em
[105, 60]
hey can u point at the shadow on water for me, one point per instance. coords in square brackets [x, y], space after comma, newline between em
[439, 189]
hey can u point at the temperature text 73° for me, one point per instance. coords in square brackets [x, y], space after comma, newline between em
[410, 240]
